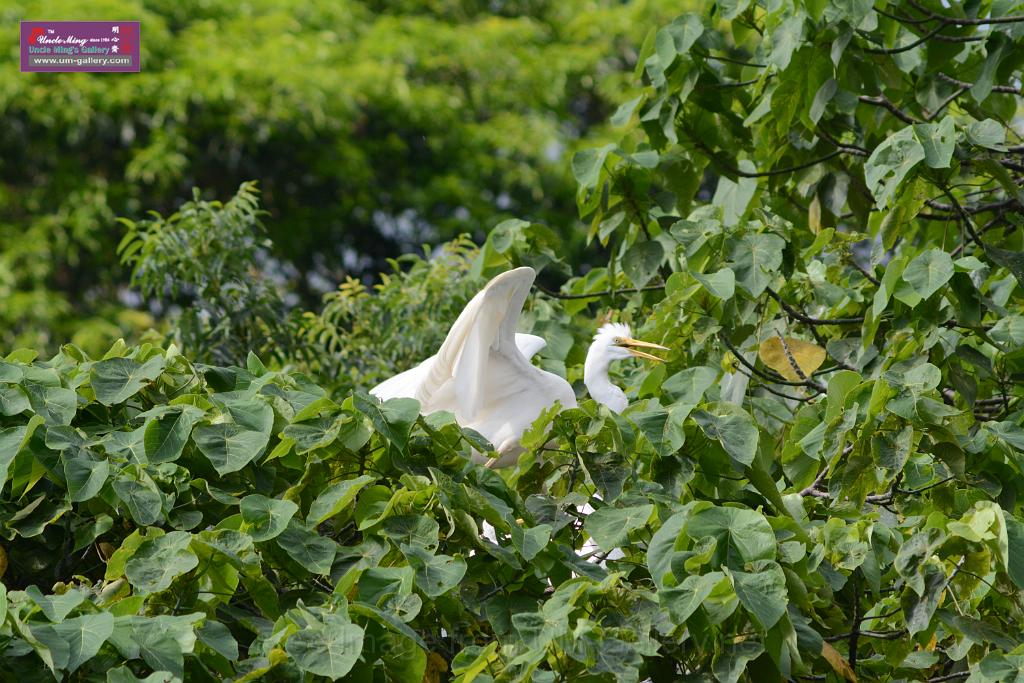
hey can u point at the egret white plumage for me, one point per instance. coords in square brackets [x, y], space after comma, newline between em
[483, 375]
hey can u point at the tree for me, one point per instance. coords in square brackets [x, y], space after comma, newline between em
[372, 128]
[822, 483]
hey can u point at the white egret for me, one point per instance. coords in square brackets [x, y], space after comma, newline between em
[482, 373]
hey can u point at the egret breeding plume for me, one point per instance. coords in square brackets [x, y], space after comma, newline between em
[483, 375]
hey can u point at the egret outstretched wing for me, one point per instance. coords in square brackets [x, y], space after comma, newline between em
[480, 372]
[405, 385]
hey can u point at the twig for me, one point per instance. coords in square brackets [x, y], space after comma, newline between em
[980, 208]
[883, 616]
[793, 313]
[782, 171]
[964, 84]
[953, 21]
[730, 60]
[883, 101]
[812, 489]
[762, 374]
[882, 635]
[782, 394]
[961, 39]
[739, 84]
[949, 677]
[912, 492]
[594, 295]
[910, 46]
[849, 149]
[968, 223]
[942, 105]
[864, 271]
[855, 631]
[792, 361]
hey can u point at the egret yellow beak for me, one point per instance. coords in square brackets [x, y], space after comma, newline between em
[631, 345]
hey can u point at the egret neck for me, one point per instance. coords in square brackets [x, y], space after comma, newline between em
[612, 342]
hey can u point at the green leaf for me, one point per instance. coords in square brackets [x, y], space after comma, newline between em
[732, 8]
[313, 434]
[12, 440]
[165, 436]
[988, 133]
[336, 498]
[928, 272]
[734, 195]
[266, 517]
[732, 661]
[736, 432]
[158, 561]
[435, 574]
[393, 418]
[741, 535]
[624, 112]
[1011, 260]
[123, 674]
[762, 592]
[85, 477]
[785, 39]
[755, 259]
[13, 400]
[720, 284]
[56, 607]
[918, 609]
[329, 650]
[56, 405]
[216, 635]
[610, 527]
[115, 380]
[1015, 549]
[307, 547]
[688, 386]
[141, 496]
[587, 164]
[228, 446]
[683, 600]
[84, 635]
[890, 163]
[997, 48]
[530, 541]
[642, 260]
[938, 141]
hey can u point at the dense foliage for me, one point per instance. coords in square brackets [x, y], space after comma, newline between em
[371, 127]
[815, 205]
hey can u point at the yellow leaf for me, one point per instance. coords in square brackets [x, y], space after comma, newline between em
[436, 666]
[841, 666]
[814, 215]
[808, 356]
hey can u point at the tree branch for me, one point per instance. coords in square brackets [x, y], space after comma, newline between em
[953, 21]
[595, 295]
[864, 271]
[883, 101]
[797, 315]
[964, 84]
[905, 48]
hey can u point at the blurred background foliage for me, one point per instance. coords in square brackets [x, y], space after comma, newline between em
[372, 127]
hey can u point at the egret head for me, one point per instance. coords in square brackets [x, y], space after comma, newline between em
[615, 341]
